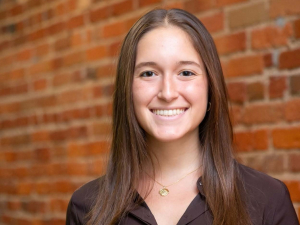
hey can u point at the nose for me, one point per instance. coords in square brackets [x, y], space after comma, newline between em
[168, 89]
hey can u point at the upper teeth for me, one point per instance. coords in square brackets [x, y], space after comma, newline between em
[164, 112]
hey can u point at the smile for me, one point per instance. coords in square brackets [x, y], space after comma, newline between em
[168, 112]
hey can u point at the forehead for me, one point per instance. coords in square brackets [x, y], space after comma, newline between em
[167, 41]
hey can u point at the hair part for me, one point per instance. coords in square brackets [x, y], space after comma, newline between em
[221, 181]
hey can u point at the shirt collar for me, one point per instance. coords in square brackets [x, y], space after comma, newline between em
[197, 207]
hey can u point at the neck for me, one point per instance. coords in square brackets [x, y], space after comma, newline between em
[175, 159]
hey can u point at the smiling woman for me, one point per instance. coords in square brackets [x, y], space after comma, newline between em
[171, 158]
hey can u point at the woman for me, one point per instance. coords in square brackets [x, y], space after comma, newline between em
[171, 158]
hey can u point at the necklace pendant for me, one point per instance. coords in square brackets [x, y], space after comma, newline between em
[163, 192]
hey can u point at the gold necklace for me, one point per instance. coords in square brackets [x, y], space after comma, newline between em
[164, 191]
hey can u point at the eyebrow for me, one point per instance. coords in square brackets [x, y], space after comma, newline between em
[150, 63]
[142, 64]
[189, 63]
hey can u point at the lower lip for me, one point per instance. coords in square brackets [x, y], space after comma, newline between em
[169, 117]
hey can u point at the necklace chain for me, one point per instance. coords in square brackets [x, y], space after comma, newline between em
[164, 191]
[178, 179]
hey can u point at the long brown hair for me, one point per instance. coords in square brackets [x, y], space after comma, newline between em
[221, 180]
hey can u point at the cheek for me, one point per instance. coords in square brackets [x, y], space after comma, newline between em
[143, 93]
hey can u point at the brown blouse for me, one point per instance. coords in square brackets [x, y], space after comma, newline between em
[269, 203]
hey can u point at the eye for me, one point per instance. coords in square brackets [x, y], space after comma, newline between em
[186, 73]
[147, 74]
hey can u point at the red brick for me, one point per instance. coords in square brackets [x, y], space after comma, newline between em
[40, 68]
[297, 28]
[237, 91]
[77, 169]
[73, 96]
[284, 7]
[143, 3]
[73, 59]
[10, 108]
[71, 115]
[277, 86]
[286, 138]
[24, 188]
[33, 3]
[63, 186]
[102, 129]
[247, 15]
[228, 2]
[16, 10]
[231, 43]
[56, 28]
[295, 85]
[244, 66]
[42, 154]
[96, 53]
[24, 55]
[62, 44]
[195, 6]
[255, 91]
[21, 172]
[22, 139]
[6, 61]
[213, 23]
[14, 205]
[270, 163]
[58, 205]
[114, 49]
[77, 39]
[268, 61]
[249, 141]
[34, 207]
[293, 162]
[76, 150]
[76, 21]
[103, 90]
[77, 132]
[56, 169]
[173, 5]
[289, 59]
[40, 84]
[97, 167]
[61, 79]
[100, 14]
[42, 50]
[130, 22]
[16, 75]
[270, 37]
[71, 5]
[235, 114]
[40, 136]
[122, 7]
[105, 71]
[294, 189]
[97, 148]
[38, 34]
[60, 9]
[59, 135]
[292, 112]
[262, 113]
[113, 29]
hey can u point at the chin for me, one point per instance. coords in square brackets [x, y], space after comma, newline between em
[167, 137]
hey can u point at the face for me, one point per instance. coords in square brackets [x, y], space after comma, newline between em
[169, 85]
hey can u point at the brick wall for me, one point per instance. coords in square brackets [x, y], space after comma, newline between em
[57, 62]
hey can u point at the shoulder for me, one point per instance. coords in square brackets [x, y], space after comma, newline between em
[259, 181]
[82, 201]
[268, 198]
